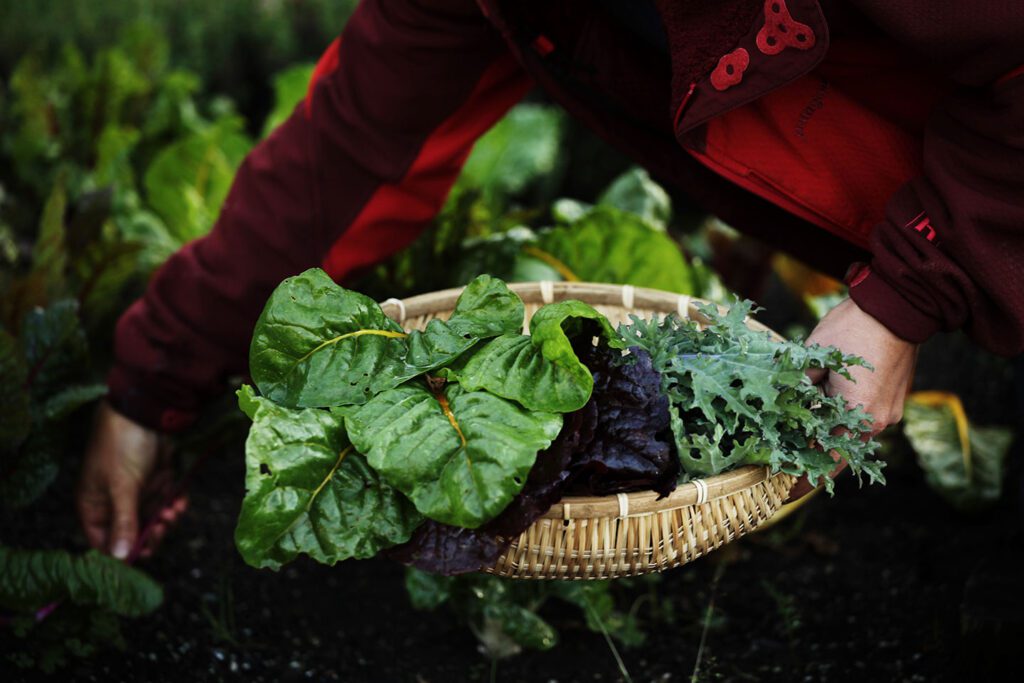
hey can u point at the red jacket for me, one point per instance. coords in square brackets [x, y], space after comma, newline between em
[834, 130]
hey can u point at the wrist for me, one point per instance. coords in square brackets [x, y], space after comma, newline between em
[878, 299]
[128, 395]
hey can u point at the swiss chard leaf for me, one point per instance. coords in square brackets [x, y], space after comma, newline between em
[188, 180]
[962, 462]
[609, 245]
[520, 149]
[68, 400]
[619, 441]
[486, 308]
[290, 87]
[30, 469]
[30, 579]
[634, 192]
[318, 345]
[308, 491]
[540, 372]
[461, 456]
[54, 347]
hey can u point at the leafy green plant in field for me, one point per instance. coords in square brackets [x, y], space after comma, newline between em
[68, 604]
[234, 46]
[107, 165]
[290, 87]
[620, 240]
[505, 615]
[962, 462]
[116, 152]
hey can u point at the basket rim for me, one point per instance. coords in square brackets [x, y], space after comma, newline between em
[693, 492]
[547, 291]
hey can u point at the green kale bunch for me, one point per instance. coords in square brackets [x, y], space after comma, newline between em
[740, 398]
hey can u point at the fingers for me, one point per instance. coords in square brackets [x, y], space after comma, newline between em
[94, 514]
[817, 375]
[800, 489]
[166, 518]
[124, 528]
[803, 485]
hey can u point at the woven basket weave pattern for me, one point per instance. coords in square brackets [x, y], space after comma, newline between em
[628, 534]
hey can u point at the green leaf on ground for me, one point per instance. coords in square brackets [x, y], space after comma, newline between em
[30, 579]
[962, 462]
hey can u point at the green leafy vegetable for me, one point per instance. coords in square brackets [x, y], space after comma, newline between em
[290, 88]
[27, 472]
[519, 149]
[30, 579]
[486, 308]
[14, 402]
[741, 398]
[308, 491]
[540, 372]
[460, 456]
[962, 462]
[187, 182]
[609, 245]
[53, 344]
[634, 192]
[316, 345]
[48, 369]
[506, 616]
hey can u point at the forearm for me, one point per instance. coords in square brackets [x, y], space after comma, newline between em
[951, 253]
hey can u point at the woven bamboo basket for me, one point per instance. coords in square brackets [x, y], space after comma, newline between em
[627, 534]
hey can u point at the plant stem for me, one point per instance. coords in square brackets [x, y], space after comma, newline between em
[608, 639]
[719, 570]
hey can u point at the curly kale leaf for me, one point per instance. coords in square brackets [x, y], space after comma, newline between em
[741, 398]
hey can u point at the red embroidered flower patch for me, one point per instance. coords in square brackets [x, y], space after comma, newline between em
[730, 69]
[781, 30]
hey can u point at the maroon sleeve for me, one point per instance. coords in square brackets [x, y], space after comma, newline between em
[354, 175]
[950, 254]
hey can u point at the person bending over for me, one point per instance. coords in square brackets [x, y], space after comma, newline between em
[884, 140]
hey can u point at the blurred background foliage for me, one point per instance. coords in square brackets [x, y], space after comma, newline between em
[232, 46]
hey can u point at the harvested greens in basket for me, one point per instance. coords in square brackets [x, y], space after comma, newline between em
[439, 447]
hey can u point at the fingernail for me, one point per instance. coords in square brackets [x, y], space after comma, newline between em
[121, 549]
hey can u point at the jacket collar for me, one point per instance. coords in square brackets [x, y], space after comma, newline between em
[724, 54]
[784, 41]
